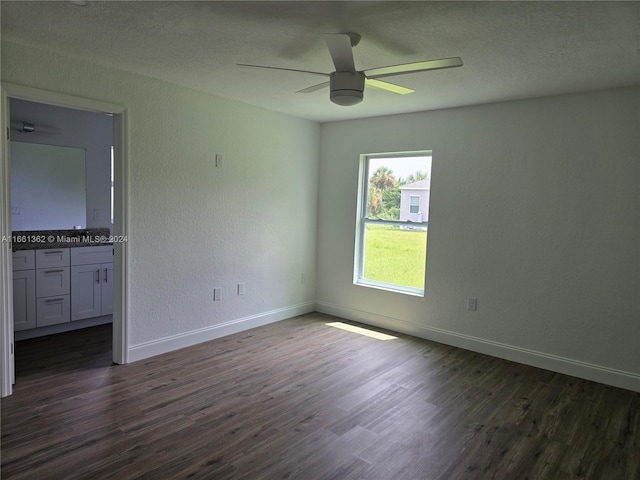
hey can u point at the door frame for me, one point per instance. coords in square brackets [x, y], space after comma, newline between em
[120, 226]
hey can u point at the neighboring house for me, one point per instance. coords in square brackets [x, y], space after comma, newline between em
[414, 201]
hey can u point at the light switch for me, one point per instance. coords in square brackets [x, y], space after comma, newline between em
[472, 304]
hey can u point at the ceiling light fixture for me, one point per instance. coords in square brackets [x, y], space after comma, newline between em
[346, 88]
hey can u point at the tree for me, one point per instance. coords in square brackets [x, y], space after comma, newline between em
[415, 177]
[380, 202]
[375, 201]
[391, 203]
[383, 178]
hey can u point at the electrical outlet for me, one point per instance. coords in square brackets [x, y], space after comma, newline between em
[217, 294]
[472, 304]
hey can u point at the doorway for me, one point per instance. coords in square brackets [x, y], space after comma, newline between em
[119, 227]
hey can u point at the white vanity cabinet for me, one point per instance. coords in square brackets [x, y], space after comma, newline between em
[58, 286]
[91, 282]
[53, 287]
[24, 290]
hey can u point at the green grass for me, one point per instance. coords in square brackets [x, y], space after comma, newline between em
[395, 256]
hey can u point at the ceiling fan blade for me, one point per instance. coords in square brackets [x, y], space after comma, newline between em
[314, 88]
[280, 68]
[339, 45]
[389, 87]
[413, 67]
[27, 127]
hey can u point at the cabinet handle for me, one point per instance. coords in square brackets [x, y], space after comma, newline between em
[51, 300]
[51, 252]
[53, 271]
[98, 276]
[106, 278]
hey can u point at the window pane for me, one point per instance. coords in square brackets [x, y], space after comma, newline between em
[395, 255]
[415, 204]
[391, 183]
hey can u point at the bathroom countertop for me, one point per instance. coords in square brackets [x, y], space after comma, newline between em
[48, 239]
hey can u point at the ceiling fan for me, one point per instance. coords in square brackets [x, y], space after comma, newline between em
[347, 84]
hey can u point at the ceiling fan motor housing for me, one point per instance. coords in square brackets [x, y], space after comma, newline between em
[346, 88]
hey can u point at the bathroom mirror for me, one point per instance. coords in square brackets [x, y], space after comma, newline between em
[48, 187]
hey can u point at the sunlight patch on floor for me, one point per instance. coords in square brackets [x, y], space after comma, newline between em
[361, 331]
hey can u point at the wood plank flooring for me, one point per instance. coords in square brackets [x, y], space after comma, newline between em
[302, 400]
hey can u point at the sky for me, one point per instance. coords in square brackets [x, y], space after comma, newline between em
[401, 167]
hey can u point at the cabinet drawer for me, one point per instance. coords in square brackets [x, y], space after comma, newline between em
[24, 260]
[89, 255]
[52, 282]
[58, 257]
[53, 310]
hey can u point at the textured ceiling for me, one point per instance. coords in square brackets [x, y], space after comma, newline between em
[511, 50]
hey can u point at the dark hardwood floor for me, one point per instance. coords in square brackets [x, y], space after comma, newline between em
[302, 400]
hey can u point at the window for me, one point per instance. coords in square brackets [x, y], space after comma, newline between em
[414, 207]
[393, 216]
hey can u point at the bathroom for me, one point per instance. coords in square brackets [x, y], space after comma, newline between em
[62, 218]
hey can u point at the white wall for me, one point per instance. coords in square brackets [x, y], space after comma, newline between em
[90, 131]
[192, 226]
[534, 210]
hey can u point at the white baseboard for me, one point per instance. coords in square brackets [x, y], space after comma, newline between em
[175, 342]
[554, 363]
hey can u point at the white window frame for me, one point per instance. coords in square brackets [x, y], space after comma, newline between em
[411, 205]
[362, 221]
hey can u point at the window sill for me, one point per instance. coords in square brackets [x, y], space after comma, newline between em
[388, 287]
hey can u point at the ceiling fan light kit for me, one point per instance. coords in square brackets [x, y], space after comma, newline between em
[346, 84]
[346, 88]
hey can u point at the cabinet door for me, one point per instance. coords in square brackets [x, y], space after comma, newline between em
[52, 310]
[107, 288]
[24, 300]
[86, 291]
